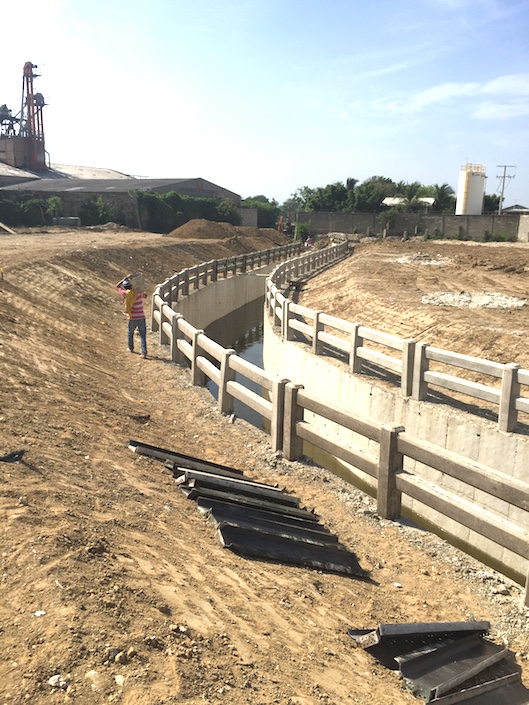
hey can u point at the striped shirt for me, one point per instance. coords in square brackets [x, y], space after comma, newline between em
[136, 312]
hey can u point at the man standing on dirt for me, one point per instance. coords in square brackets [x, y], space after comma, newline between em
[132, 289]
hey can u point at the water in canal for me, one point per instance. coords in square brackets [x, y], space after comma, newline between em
[242, 330]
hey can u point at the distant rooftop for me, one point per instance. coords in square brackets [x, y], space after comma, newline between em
[64, 171]
[97, 185]
[515, 209]
[392, 201]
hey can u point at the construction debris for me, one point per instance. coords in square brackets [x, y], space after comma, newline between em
[14, 457]
[447, 662]
[254, 519]
[8, 230]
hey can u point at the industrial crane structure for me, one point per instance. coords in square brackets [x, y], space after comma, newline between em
[22, 135]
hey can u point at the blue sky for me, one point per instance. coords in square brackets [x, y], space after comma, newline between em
[267, 96]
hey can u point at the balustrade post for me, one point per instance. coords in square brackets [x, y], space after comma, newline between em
[154, 322]
[292, 444]
[198, 378]
[185, 292]
[196, 283]
[317, 328]
[244, 264]
[510, 391]
[408, 355]
[287, 332]
[214, 270]
[177, 356]
[164, 338]
[421, 365]
[276, 320]
[176, 289]
[390, 462]
[225, 400]
[355, 362]
[278, 413]
[169, 299]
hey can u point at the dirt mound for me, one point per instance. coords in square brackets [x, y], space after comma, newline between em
[201, 229]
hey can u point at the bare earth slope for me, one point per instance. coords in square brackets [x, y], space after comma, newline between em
[111, 580]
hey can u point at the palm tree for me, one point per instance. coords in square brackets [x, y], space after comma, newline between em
[444, 196]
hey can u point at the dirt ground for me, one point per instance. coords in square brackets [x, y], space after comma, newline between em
[112, 584]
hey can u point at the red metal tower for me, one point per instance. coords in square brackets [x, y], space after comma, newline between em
[31, 122]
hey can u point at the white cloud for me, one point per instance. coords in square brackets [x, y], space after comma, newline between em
[488, 110]
[516, 84]
[511, 89]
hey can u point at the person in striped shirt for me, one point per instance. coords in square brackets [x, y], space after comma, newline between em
[132, 289]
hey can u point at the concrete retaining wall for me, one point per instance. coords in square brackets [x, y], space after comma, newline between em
[222, 297]
[438, 424]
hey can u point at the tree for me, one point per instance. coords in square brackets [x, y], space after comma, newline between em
[267, 210]
[350, 185]
[302, 197]
[54, 204]
[96, 212]
[228, 211]
[491, 203]
[333, 197]
[444, 198]
[371, 192]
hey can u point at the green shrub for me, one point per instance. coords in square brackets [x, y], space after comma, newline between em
[497, 237]
[96, 212]
[163, 212]
[303, 231]
[436, 235]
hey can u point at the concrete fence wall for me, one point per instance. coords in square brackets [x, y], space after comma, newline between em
[473, 227]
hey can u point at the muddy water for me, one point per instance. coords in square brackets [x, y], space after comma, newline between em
[242, 330]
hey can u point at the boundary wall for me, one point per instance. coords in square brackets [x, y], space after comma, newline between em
[473, 227]
[460, 475]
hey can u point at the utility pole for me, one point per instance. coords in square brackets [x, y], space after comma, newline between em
[503, 177]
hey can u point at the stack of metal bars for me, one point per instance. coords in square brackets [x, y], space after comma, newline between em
[447, 662]
[254, 519]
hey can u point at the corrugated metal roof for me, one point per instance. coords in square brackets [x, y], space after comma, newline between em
[96, 185]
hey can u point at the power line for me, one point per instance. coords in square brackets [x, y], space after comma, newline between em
[503, 177]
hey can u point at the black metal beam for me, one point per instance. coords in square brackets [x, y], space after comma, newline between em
[265, 546]
[274, 528]
[256, 502]
[391, 640]
[437, 673]
[230, 510]
[508, 690]
[180, 458]
[198, 478]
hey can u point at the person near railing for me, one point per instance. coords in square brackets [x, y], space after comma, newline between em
[132, 289]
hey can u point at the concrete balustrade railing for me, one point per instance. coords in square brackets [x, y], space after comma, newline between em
[208, 359]
[396, 462]
[392, 481]
[413, 363]
[187, 280]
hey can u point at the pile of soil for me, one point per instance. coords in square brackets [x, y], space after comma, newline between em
[201, 229]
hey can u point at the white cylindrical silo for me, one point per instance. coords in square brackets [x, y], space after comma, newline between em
[471, 189]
